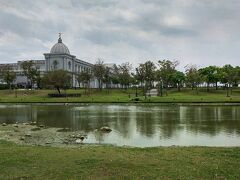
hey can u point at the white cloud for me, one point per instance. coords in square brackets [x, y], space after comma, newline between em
[199, 32]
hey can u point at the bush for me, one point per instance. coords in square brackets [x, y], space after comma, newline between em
[136, 99]
[64, 95]
[3, 86]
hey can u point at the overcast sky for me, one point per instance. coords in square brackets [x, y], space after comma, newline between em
[202, 32]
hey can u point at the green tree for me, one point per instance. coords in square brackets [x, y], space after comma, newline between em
[58, 79]
[85, 78]
[140, 74]
[115, 75]
[164, 74]
[210, 75]
[30, 71]
[178, 78]
[125, 74]
[192, 76]
[229, 76]
[8, 75]
[99, 71]
[107, 78]
[236, 76]
[147, 75]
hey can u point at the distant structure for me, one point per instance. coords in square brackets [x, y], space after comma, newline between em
[58, 58]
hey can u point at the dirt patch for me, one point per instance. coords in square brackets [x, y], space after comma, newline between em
[29, 134]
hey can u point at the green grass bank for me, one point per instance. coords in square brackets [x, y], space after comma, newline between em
[120, 96]
[103, 162]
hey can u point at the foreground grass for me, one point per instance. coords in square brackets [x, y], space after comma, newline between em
[101, 162]
[116, 95]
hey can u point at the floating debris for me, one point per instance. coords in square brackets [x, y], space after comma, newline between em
[106, 129]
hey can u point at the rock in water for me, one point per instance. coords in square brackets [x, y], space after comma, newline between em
[28, 135]
[82, 138]
[106, 129]
[4, 124]
[33, 123]
[78, 141]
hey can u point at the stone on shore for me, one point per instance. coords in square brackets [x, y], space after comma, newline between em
[105, 129]
[78, 141]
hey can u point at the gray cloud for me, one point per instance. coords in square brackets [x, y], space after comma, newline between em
[200, 32]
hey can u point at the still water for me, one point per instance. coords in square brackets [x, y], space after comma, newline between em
[137, 125]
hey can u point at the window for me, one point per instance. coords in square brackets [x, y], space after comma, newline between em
[69, 65]
[55, 64]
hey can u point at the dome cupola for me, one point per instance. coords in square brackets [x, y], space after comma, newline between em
[59, 47]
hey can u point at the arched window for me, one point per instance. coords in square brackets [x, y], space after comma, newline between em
[55, 64]
[69, 65]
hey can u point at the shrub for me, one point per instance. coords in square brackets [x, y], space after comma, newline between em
[64, 95]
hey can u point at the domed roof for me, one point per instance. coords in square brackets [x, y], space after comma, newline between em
[60, 48]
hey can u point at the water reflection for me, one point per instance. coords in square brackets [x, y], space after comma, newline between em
[140, 125]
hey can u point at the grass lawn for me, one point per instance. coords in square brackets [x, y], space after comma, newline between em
[117, 95]
[101, 162]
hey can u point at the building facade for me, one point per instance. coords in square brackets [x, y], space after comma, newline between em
[59, 57]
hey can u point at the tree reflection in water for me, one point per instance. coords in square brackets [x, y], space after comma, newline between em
[154, 124]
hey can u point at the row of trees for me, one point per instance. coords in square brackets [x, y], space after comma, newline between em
[164, 75]
[31, 72]
[168, 76]
[161, 75]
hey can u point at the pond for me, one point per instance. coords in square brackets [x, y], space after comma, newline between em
[136, 125]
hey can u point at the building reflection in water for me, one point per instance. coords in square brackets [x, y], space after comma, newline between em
[134, 124]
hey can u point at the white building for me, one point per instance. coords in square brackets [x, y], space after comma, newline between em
[58, 58]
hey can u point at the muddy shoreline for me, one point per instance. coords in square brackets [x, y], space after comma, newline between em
[33, 135]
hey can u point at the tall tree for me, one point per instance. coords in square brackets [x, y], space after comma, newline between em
[164, 74]
[115, 71]
[192, 76]
[236, 78]
[58, 79]
[125, 74]
[85, 78]
[178, 78]
[30, 71]
[140, 74]
[210, 75]
[99, 71]
[149, 76]
[229, 76]
[107, 77]
[8, 75]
